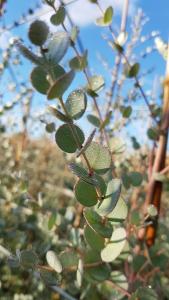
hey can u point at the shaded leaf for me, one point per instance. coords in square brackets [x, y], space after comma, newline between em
[95, 222]
[99, 273]
[68, 258]
[60, 85]
[136, 178]
[133, 70]
[94, 120]
[38, 32]
[28, 258]
[58, 114]
[86, 193]
[94, 240]
[39, 80]
[50, 127]
[126, 111]
[153, 133]
[29, 54]
[66, 138]
[59, 17]
[79, 63]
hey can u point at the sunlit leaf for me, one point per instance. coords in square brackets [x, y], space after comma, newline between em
[120, 211]
[99, 157]
[76, 104]
[116, 245]
[53, 261]
[57, 46]
[111, 197]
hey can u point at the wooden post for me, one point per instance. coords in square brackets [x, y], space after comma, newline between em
[155, 187]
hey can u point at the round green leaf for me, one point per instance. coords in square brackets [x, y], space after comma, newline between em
[94, 240]
[126, 111]
[50, 127]
[38, 32]
[108, 15]
[28, 258]
[57, 71]
[120, 211]
[153, 133]
[91, 257]
[79, 63]
[85, 193]
[39, 80]
[96, 223]
[57, 46]
[68, 258]
[99, 273]
[133, 70]
[99, 157]
[116, 245]
[76, 104]
[94, 120]
[53, 261]
[50, 278]
[60, 85]
[59, 17]
[66, 138]
[136, 178]
[110, 200]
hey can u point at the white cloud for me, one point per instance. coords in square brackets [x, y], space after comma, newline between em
[4, 39]
[83, 13]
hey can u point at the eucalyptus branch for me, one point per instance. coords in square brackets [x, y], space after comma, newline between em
[87, 78]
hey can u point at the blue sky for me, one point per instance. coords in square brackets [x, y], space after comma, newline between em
[157, 12]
